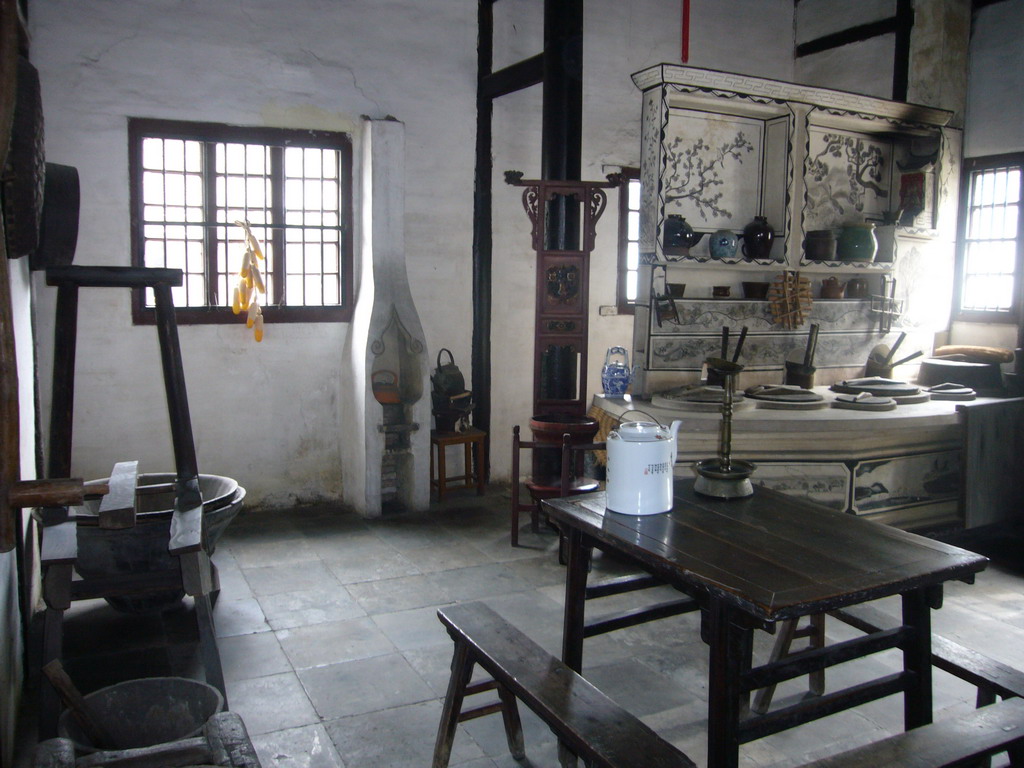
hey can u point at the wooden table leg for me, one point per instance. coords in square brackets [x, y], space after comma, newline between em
[575, 599]
[480, 468]
[917, 654]
[730, 654]
[433, 483]
[442, 472]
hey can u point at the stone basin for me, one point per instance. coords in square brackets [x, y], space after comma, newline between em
[143, 548]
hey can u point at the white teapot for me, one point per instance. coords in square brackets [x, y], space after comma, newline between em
[641, 455]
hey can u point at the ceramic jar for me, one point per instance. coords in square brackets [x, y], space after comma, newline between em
[857, 242]
[857, 288]
[678, 233]
[723, 244]
[820, 245]
[757, 239]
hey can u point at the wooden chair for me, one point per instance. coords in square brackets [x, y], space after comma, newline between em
[557, 472]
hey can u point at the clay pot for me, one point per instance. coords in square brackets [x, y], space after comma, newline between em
[857, 242]
[722, 244]
[758, 237]
[820, 245]
[679, 233]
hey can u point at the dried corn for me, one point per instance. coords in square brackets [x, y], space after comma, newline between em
[250, 283]
[257, 278]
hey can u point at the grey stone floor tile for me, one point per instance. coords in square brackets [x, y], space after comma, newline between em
[233, 585]
[366, 685]
[403, 593]
[377, 561]
[415, 534]
[636, 687]
[446, 555]
[331, 642]
[483, 762]
[252, 655]
[239, 617]
[271, 580]
[271, 703]
[433, 664]
[412, 630]
[331, 602]
[538, 570]
[477, 582]
[489, 732]
[307, 746]
[333, 545]
[399, 737]
[265, 553]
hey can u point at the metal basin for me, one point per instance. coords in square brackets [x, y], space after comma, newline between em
[145, 712]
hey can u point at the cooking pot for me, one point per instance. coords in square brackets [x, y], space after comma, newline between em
[641, 455]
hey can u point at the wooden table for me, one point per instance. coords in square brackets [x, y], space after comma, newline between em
[752, 562]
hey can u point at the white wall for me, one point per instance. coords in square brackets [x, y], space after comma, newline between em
[995, 110]
[11, 647]
[266, 414]
[994, 122]
[321, 64]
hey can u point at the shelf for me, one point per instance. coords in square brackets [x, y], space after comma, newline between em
[878, 266]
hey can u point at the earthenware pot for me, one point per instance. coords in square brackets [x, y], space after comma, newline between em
[757, 239]
[857, 242]
[723, 244]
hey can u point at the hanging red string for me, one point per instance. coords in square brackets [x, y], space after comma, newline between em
[685, 37]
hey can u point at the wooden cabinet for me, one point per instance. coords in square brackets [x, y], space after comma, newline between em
[719, 149]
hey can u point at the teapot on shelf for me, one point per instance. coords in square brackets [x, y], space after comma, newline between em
[832, 288]
[616, 375]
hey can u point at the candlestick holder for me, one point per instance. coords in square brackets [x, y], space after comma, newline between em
[725, 477]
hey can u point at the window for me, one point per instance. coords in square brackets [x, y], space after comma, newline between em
[191, 181]
[629, 240]
[990, 253]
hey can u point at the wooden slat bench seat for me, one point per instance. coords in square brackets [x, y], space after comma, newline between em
[948, 743]
[992, 678]
[588, 724]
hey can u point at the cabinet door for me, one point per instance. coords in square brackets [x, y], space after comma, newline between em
[898, 482]
[827, 483]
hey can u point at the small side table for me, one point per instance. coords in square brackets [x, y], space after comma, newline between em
[467, 439]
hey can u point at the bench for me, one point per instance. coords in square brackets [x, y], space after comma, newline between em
[588, 724]
[948, 743]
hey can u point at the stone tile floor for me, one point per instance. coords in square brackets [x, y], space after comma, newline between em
[334, 656]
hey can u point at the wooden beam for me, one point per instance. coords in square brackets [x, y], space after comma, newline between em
[855, 34]
[512, 78]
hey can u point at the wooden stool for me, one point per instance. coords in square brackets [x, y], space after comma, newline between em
[466, 439]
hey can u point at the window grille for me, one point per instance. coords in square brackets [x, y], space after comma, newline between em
[629, 240]
[192, 181]
[990, 238]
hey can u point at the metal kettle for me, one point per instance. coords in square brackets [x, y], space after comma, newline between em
[641, 455]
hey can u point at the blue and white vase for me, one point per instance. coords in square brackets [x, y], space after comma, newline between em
[615, 375]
